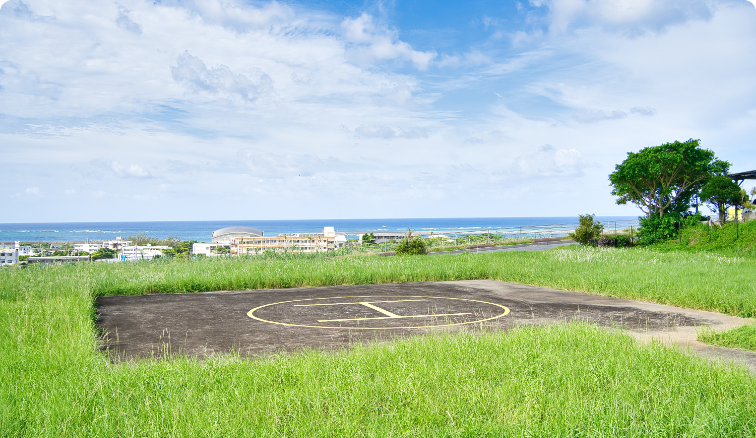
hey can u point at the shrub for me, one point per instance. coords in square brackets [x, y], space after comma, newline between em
[588, 230]
[659, 229]
[411, 245]
[623, 241]
[104, 253]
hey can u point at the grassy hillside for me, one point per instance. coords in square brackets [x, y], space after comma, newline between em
[724, 240]
[690, 279]
[561, 381]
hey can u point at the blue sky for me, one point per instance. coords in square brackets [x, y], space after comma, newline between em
[172, 110]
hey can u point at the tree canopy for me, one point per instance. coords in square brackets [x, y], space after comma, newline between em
[721, 192]
[664, 178]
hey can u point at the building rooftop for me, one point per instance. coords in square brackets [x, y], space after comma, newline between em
[742, 176]
[236, 230]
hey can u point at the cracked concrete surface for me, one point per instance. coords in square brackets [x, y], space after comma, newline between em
[292, 319]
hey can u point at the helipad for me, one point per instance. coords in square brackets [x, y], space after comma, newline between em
[378, 312]
[269, 321]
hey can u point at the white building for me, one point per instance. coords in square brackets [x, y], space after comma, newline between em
[116, 244]
[229, 234]
[8, 256]
[299, 242]
[87, 247]
[207, 249]
[148, 252]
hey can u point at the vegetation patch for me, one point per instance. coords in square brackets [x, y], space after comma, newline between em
[554, 381]
[731, 239]
[743, 338]
[564, 380]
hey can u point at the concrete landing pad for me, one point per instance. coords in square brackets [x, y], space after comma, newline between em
[267, 321]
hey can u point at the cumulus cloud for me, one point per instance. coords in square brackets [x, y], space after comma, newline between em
[386, 133]
[548, 161]
[192, 72]
[374, 131]
[470, 59]
[371, 42]
[124, 21]
[644, 111]
[598, 116]
[622, 15]
[129, 171]
[18, 9]
[269, 165]
[474, 140]
[32, 191]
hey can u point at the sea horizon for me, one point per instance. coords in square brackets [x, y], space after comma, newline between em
[202, 230]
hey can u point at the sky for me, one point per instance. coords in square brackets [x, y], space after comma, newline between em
[238, 110]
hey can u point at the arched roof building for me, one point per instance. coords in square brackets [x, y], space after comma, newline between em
[228, 234]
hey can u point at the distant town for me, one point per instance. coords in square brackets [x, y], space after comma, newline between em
[242, 240]
[226, 241]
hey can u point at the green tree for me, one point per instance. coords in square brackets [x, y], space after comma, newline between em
[411, 245]
[104, 253]
[747, 201]
[588, 229]
[222, 250]
[368, 238]
[665, 178]
[185, 246]
[719, 193]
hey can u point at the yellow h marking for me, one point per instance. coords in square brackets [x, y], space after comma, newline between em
[369, 304]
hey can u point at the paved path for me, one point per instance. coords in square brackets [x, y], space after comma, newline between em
[267, 321]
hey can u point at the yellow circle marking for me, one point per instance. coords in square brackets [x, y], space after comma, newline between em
[252, 315]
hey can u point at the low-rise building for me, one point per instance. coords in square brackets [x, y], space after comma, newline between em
[299, 242]
[209, 249]
[116, 244]
[229, 234]
[8, 256]
[87, 247]
[147, 252]
[58, 259]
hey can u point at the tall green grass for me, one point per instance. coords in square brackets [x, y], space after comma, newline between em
[573, 380]
[731, 239]
[560, 381]
[743, 337]
[688, 279]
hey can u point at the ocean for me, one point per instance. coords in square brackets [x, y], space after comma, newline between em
[202, 230]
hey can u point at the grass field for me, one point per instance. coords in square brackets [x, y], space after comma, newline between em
[743, 338]
[688, 279]
[731, 239]
[564, 381]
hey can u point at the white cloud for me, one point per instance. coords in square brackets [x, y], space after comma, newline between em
[643, 111]
[276, 166]
[622, 15]
[175, 104]
[386, 133]
[550, 162]
[372, 43]
[124, 21]
[32, 191]
[598, 116]
[470, 59]
[129, 171]
[374, 131]
[192, 72]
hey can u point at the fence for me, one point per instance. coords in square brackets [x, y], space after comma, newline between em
[479, 235]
